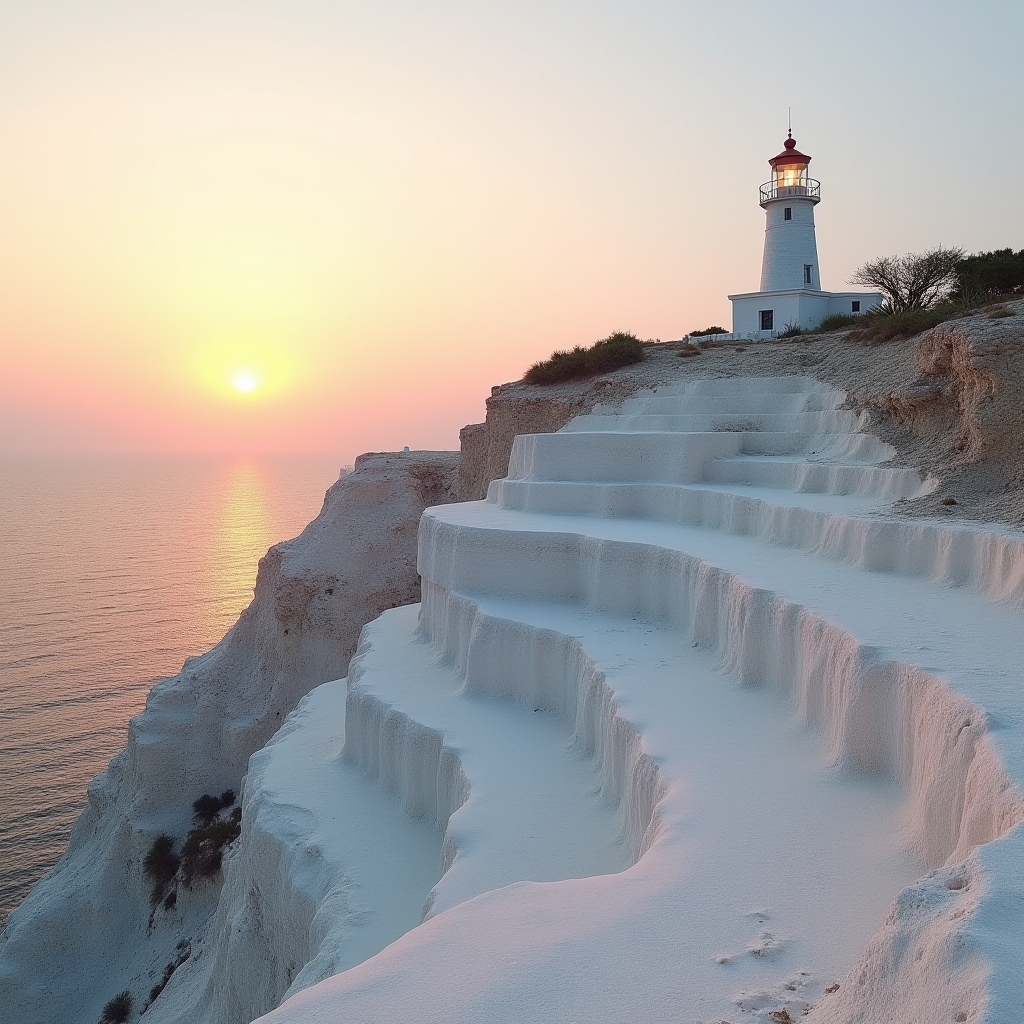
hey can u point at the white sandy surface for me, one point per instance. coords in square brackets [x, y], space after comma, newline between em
[793, 706]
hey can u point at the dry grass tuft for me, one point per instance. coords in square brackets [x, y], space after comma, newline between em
[618, 349]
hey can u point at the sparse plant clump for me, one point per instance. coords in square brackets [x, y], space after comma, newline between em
[707, 332]
[618, 349]
[161, 865]
[686, 350]
[207, 807]
[791, 331]
[837, 321]
[881, 325]
[203, 851]
[118, 1009]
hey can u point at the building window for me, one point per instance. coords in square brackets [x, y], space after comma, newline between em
[787, 213]
[855, 306]
[807, 272]
[767, 319]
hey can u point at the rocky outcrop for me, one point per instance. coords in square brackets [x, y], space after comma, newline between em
[960, 417]
[86, 931]
[519, 408]
[486, 446]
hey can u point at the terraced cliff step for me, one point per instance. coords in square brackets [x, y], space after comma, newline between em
[648, 730]
[807, 423]
[667, 456]
[666, 572]
[775, 687]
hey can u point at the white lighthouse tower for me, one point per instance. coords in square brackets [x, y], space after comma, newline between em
[790, 293]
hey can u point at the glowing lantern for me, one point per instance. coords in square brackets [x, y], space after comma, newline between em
[789, 175]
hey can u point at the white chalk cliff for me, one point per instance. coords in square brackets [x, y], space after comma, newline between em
[86, 931]
[684, 728]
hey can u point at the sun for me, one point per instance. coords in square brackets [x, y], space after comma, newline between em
[244, 371]
[245, 381]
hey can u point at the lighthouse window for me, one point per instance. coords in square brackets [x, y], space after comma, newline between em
[807, 273]
[767, 319]
[787, 213]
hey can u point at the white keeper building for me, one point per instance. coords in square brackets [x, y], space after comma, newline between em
[790, 293]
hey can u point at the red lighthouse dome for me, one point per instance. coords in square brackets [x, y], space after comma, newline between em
[789, 176]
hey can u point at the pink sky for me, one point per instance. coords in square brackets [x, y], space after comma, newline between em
[378, 212]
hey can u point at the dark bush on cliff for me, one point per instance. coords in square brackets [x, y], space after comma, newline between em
[207, 807]
[161, 865]
[203, 851]
[618, 349]
[118, 1009]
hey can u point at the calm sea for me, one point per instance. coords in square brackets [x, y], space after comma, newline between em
[112, 572]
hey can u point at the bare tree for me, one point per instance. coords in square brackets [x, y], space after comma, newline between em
[914, 281]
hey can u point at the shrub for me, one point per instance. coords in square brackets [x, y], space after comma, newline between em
[914, 281]
[791, 331]
[707, 331]
[227, 798]
[686, 350]
[161, 865]
[118, 1009]
[880, 325]
[207, 807]
[203, 851]
[837, 321]
[985, 275]
[618, 349]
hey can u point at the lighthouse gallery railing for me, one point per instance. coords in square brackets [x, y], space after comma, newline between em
[810, 189]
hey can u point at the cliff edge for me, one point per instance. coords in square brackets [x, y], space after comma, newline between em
[87, 930]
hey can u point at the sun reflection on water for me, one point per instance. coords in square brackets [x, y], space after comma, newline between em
[243, 533]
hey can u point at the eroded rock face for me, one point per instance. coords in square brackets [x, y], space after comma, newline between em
[86, 931]
[519, 408]
[962, 419]
[982, 362]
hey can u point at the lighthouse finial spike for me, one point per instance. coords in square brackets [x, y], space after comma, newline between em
[790, 116]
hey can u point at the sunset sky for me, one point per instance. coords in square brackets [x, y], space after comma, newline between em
[331, 227]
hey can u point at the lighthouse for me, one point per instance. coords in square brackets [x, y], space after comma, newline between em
[790, 294]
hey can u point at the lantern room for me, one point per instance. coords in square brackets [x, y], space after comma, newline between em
[789, 177]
